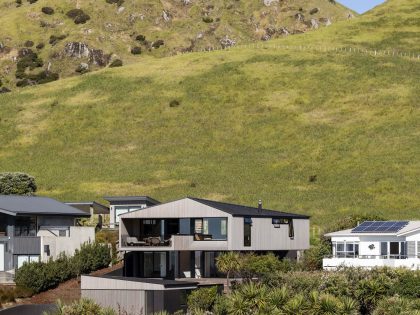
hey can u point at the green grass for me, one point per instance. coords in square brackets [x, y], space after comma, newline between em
[252, 124]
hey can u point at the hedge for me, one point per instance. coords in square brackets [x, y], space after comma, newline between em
[40, 276]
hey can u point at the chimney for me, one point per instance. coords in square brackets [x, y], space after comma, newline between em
[259, 206]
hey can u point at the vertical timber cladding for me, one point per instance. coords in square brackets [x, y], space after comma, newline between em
[125, 301]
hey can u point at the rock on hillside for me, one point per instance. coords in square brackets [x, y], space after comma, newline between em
[64, 34]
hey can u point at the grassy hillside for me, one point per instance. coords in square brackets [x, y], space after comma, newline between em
[322, 133]
[182, 25]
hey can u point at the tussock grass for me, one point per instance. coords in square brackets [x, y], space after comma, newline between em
[252, 124]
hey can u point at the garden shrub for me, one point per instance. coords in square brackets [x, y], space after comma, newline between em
[136, 50]
[47, 10]
[82, 307]
[40, 276]
[202, 299]
[397, 306]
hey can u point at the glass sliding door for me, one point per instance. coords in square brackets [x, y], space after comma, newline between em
[154, 265]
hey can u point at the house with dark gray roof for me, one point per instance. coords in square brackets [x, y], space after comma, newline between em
[37, 229]
[183, 238]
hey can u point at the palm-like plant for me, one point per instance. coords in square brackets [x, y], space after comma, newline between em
[227, 263]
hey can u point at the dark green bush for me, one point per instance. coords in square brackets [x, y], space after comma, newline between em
[74, 12]
[136, 50]
[81, 19]
[207, 19]
[202, 299]
[18, 3]
[116, 63]
[28, 43]
[174, 103]
[158, 43]
[47, 10]
[40, 46]
[17, 184]
[40, 276]
[118, 2]
[140, 38]
[54, 39]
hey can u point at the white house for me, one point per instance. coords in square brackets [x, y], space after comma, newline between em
[376, 244]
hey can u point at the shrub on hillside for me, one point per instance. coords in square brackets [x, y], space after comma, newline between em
[118, 2]
[54, 39]
[17, 184]
[40, 46]
[28, 43]
[91, 257]
[78, 16]
[136, 50]
[47, 10]
[397, 306]
[140, 38]
[158, 43]
[207, 19]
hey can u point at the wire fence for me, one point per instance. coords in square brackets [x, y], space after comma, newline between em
[320, 49]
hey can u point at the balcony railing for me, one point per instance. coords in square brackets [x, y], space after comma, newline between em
[127, 240]
[349, 255]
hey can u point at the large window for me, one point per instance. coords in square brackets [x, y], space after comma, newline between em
[346, 249]
[247, 231]
[124, 209]
[25, 226]
[211, 228]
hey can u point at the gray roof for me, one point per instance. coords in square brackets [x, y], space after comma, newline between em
[148, 199]
[98, 208]
[241, 211]
[18, 205]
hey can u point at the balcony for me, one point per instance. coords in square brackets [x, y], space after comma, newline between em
[372, 261]
[174, 243]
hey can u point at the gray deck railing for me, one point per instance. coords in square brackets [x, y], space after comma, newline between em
[344, 256]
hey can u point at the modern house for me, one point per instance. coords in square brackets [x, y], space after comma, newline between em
[123, 204]
[99, 213]
[38, 228]
[376, 244]
[181, 239]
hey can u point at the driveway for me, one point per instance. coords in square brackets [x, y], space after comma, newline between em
[29, 309]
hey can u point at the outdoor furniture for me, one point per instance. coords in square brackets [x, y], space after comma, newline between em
[133, 241]
[155, 241]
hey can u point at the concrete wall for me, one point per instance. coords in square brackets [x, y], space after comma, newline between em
[76, 236]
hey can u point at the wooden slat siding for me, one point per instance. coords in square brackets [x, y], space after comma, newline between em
[265, 237]
[129, 301]
[186, 242]
[184, 208]
[411, 249]
[27, 246]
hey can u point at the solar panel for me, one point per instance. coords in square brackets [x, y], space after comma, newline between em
[380, 227]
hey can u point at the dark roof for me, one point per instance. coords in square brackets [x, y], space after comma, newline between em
[131, 198]
[165, 282]
[245, 211]
[98, 208]
[15, 205]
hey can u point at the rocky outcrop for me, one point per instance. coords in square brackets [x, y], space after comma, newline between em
[81, 50]
[227, 42]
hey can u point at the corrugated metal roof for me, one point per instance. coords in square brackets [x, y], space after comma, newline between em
[15, 205]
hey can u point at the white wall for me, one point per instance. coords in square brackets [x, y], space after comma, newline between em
[77, 236]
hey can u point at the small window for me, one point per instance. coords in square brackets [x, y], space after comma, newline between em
[62, 233]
